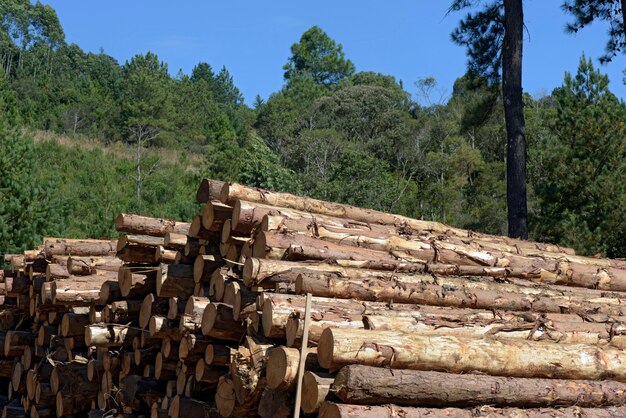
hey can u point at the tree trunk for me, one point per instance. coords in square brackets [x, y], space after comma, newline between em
[366, 385]
[514, 118]
[315, 388]
[514, 358]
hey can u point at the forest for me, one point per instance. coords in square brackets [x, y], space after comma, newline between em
[84, 137]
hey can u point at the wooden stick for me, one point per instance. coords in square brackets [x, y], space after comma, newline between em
[303, 348]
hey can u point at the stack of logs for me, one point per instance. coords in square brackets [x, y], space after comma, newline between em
[400, 317]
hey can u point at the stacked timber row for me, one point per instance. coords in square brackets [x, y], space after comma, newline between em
[407, 318]
[48, 294]
[414, 318]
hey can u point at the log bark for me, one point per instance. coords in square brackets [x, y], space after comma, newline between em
[280, 246]
[110, 335]
[74, 324]
[218, 355]
[204, 266]
[515, 358]
[191, 320]
[58, 246]
[218, 322]
[231, 192]
[175, 280]
[144, 225]
[161, 327]
[137, 254]
[209, 190]
[136, 283]
[56, 272]
[141, 240]
[366, 385]
[79, 290]
[282, 367]
[151, 306]
[431, 294]
[315, 389]
[613, 334]
[208, 374]
[332, 410]
[239, 297]
[193, 347]
[175, 241]
[214, 214]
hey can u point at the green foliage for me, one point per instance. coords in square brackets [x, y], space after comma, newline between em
[481, 33]
[582, 193]
[29, 208]
[319, 57]
[586, 12]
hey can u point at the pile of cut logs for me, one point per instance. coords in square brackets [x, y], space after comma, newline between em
[268, 304]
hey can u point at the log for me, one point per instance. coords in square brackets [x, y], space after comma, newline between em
[56, 272]
[315, 388]
[79, 290]
[175, 241]
[275, 404]
[209, 190]
[218, 355]
[231, 192]
[281, 246]
[217, 283]
[366, 385]
[191, 320]
[144, 225]
[164, 369]
[163, 255]
[136, 283]
[214, 214]
[141, 240]
[196, 230]
[185, 407]
[16, 341]
[542, 330]
[294, 327]
[83, 266]
[109, 335]
[333, 410]
[239, 297]
[431, 294]
[282, 367]
[151, 306]
[137, 254]
[175, 280]
[204, 266]
[207, 373]
[218, 322]
[125, 311]
[176, 308]
[515, 358]
[193, 347]
[161, 327]
[74, 324]
[58, 246]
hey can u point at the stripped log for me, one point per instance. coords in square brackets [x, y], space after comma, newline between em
[144, 225]
[515, 358]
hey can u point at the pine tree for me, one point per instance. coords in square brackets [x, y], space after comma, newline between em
[583, 193]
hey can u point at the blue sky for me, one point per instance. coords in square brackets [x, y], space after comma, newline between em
[404, 38]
